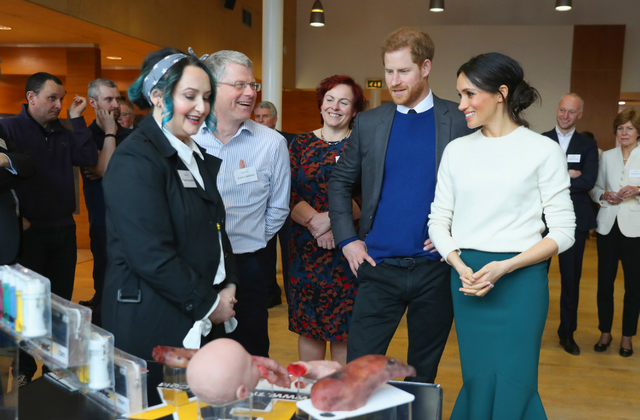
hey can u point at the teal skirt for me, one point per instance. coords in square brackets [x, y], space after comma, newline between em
[499, 339]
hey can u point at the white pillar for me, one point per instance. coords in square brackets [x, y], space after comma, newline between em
[272, 40]
[375, 98]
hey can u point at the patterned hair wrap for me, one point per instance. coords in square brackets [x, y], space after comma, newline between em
[160, 69]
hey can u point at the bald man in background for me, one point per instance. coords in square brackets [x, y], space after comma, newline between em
[582, 160]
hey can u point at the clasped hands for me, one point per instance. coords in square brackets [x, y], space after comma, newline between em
[479, 283]
[320, 227]
[616, 198]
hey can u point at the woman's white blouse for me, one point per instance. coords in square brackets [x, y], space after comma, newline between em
[491, 193]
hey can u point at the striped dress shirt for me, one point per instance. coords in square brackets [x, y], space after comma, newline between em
[255, 210]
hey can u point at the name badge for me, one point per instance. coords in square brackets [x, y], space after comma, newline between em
[245, 175]
[3, 144]
[634, 173]
[573, 158]
[187, 179]
[337, 158]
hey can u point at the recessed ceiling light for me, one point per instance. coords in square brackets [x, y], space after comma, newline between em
[621, 103]
[436, 5]
[5, 28]
[113, 57]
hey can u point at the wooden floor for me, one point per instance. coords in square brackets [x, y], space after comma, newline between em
[591, 386]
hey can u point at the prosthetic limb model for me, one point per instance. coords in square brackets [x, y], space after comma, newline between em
[173, 356]
[222, 371]
[313, 370]
[350, 387]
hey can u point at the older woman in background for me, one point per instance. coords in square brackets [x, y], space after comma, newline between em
[617, 191]
[322, 288]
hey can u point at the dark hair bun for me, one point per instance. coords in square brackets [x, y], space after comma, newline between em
[523, 97]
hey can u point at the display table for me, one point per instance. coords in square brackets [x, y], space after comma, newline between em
[45, 398]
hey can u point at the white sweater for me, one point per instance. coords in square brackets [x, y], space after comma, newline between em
[491, 193]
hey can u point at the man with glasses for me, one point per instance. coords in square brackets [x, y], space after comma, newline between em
[127, 114]
[254, 182]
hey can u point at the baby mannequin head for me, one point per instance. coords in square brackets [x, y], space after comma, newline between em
[222, 371]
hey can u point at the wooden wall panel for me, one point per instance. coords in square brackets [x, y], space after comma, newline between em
[596, 74]
[124, 78]
[83, 66]
[12, 96]
[210, 29]
[27, 61]
[300, 111]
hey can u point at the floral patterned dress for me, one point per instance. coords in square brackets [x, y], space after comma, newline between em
[322, 288]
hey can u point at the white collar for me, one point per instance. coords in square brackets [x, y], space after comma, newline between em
[424, 105]
[185, 150]
[559, 133]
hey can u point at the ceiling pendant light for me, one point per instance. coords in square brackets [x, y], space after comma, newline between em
[563, 5]
[317, 14]
[436, 5]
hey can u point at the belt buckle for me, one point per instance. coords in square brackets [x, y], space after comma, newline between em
[413, 262]
[129, 300]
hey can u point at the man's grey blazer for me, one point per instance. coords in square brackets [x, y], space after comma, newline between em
[362, 163]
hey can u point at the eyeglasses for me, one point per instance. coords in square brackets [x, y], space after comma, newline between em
[240, 85]
[126, 114]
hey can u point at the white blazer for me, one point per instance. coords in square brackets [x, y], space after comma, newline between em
[613, 174]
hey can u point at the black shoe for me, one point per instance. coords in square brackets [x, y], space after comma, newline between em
[601, 347]
[625, 352]
[274, 301]
[88, 303]
[570, 345]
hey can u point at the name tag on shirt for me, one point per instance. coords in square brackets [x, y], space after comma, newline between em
[3, 144]
[573, 158]
[245, 175]
[634, 173]
[187, 179]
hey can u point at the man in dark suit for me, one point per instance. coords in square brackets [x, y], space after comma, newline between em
[582, 160]
[393, 153]
[14, 166]
[265, 113]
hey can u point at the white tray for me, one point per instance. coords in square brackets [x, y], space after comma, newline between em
[386, 396]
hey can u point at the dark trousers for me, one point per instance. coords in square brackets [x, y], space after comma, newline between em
[385, 292]
[273, 289]
[284, 234]
[251, 310]
[612, 248]
[99, 250]
[51, 252]
[570, 263]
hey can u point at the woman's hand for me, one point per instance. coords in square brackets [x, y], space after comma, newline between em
[469, 288]
[629, 191]
[484, 280]
[611, 198]
[326, 240]
[224, 311]
[318, 224]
